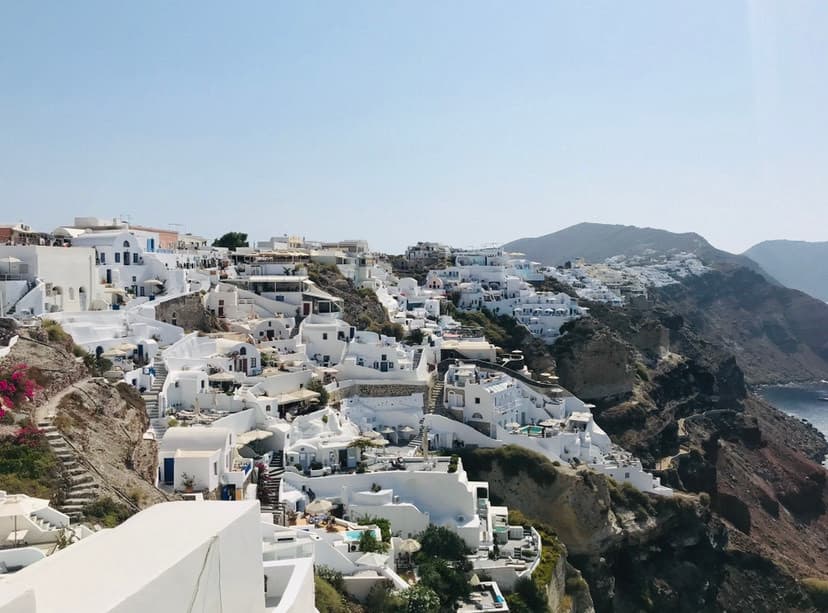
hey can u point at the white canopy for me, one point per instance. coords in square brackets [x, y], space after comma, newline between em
[253, 435]
[372, 559]
[320, 505]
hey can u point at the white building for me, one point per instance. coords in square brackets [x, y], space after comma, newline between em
[36, 280]
[171, 557]
[200, 453]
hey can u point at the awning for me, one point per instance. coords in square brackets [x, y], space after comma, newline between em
[372, 559]
[297, 396]
[113, 353]
[222, 377]
[253, 435]
[154, 282]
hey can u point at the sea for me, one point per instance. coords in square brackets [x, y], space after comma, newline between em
[800, 401]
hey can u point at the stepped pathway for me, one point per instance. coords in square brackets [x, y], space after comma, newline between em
[82, 489]
[47, 411]
[434, 404]
[664, 463]
[269, 485]
[158, 423]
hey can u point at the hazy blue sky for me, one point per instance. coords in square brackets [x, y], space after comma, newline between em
[464, 122]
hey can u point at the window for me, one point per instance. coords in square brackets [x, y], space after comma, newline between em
[135, 279]
[324, 336]
[202, 384]
[215, 468]
[477, 401]
[243, 351]
[134, 258]
[126, 244]
[626, 475]
[103, 258]
[252, 362]
[176, 384]
[384, 357]
[117, 257]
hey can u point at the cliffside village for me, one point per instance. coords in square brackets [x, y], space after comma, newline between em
[286, 432]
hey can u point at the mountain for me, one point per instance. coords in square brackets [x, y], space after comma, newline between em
[797, 264]
[595, 242]
[668, 380]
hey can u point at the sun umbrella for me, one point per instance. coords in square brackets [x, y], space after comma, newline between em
[407, 429]
[380, 442]
[512, 425]
[319, 506]
[387, 430]
[372, 559]
[547, 423]
[474, 581]
[154, 282]
[409, 546]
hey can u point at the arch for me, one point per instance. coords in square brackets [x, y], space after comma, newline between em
[126, 244]
[243, 351]
[477, 416]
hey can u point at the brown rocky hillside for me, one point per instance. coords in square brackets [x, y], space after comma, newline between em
[666, 390]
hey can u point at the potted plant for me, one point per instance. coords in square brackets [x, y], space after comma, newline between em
[188, 481]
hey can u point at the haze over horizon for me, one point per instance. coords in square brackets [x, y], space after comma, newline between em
[468, 123]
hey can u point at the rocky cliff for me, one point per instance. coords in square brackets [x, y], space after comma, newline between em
[639, 552]
[679, 400]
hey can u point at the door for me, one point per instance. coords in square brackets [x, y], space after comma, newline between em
[108, 276]
[169, 471]
[228, 492]
[343, 458]
[306, 308]
[126, 258]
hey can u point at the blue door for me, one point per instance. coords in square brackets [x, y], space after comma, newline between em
[169, 467]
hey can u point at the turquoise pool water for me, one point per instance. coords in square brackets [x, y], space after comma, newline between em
[531, 430]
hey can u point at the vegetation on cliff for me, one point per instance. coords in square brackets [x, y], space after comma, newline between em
[360, 306]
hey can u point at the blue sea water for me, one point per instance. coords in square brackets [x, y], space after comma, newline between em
[800, 401]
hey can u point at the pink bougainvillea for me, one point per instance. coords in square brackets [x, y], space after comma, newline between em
[30, 436]
[16, 387]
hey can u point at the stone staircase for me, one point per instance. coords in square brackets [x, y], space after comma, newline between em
[435, 404]
[82, 489]
[269, 485]
[158, 423]
[417, 441]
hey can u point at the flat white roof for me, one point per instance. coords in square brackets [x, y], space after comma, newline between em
[96, 573]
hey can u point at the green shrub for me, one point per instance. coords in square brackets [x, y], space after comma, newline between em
[380, 522]
[368, 543]
[328, 600]
[818, 591]
[107, 512]
[331, 576]
[440, 542]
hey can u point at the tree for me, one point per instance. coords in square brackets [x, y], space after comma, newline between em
[421, 599]
[415, 337]
[232, 241]
[315, 385]
[368, 543]
[449, 583]
[440, 542]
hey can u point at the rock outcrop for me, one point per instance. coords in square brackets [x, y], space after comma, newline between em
[639, 552]
[691, 415]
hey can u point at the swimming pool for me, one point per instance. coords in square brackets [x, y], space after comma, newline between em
[531, 430]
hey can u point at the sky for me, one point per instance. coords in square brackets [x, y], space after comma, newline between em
[470, 123]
